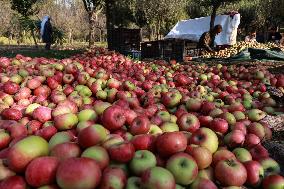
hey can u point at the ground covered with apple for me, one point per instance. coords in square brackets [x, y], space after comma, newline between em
[101, 120]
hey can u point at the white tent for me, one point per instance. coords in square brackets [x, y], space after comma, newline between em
[193, 29]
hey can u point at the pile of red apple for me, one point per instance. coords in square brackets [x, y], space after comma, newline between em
[99, 120]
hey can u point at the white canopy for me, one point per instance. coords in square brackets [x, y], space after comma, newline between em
[193, 29]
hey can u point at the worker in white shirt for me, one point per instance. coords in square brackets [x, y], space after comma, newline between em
[251, 37]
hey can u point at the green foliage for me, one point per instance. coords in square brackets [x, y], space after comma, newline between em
[24, 7]
[57, 36]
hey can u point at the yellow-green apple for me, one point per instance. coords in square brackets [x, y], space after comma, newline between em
[193, 104]
[230, 118]
[133, 183]
[203, 183]
[87, 115]
[164, 116]
[58, 138]
[188, 122]
[41, 171]
[113, 118]
[239, 115]
[270, 166]
[256, 115]
[230, 172]
[155, 130]
[65, 121]
[30, 147]
[121, 152]
[169, 127]
[5, 139]
[207, 173]
[83, 124]
[114, 178]
[140, 125]
[158, 178]
[273, 182]
[99, 154]
[100, 106]
[242, 154]
[142, 160]
[257, 129]
[170, 143]
[65, 150]
[92, 135]
[202, 156]
[183, 167]
[111, 140]
[80, 173]
[255, 173]
[171, 99]
[216, 112]
[205, 137]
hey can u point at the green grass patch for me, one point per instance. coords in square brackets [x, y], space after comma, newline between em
[58, 54]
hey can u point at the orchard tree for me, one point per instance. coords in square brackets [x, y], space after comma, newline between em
[215, 5]
[26, 8]
[158, 13]
[93, 8]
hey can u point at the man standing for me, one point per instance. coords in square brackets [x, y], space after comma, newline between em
[46, 32]
[207, 39]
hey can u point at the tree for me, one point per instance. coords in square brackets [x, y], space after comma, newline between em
[93, 8]
[215, 5]
[160, 12]
[26, 8]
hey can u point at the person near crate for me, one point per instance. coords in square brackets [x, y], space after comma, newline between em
[206, 41]
[274, 36]
[251, 37]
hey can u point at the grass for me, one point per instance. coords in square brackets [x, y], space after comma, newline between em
[30, 51]
[58, 54]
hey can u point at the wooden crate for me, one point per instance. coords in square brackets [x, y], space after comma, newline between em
[151, 49]
[122, 39]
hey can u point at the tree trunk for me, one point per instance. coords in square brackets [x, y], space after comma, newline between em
[109, 24]
[213, 15]
[92, 23]
[34, 38]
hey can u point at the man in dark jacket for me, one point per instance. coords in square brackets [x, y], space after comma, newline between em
[46, 32]
[207, 39]
[274, 36]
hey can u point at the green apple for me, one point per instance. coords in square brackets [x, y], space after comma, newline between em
[169, 127]
[242, 154]
[133, 183]
[99, 154]
[256, 115]
[158, 178]
[142, 160]
[155, 130]
[183, 167]
[87, 115]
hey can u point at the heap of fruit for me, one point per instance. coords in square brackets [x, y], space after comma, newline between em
[104, 121]
[239, 47]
